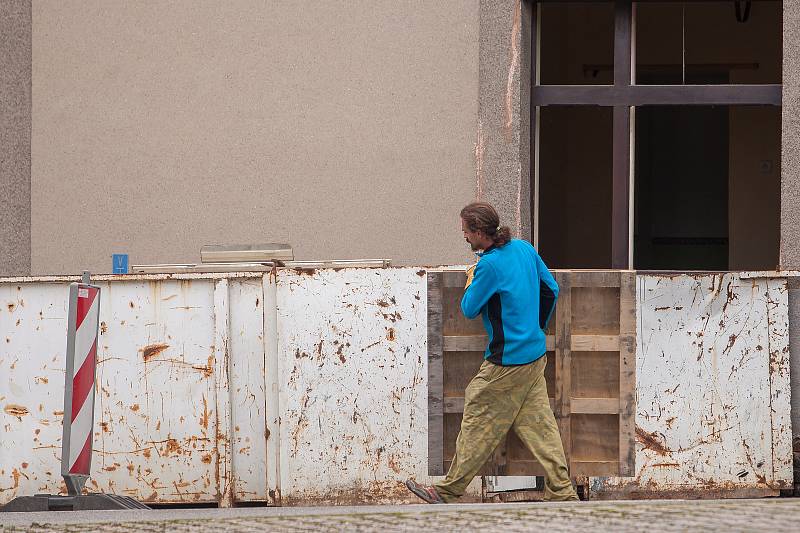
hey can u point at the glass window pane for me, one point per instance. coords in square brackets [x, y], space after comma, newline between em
[577, 43]
[705, 42]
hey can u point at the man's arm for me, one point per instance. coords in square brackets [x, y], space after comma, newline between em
[477, 294]
[548, 293]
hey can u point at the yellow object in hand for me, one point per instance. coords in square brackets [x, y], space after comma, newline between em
[470, 275]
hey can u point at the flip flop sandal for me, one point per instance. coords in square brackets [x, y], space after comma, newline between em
[428, 494]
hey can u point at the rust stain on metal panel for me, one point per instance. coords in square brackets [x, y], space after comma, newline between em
[393, 464]
[16, 410]
[340, 353]
[693, 412]
[173, 447]
[152, 350]
[204, 417]
[208, 369]
[383, 439]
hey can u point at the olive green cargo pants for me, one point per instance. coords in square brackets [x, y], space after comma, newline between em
[497, 399]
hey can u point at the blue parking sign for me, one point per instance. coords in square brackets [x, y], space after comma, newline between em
[119, 263]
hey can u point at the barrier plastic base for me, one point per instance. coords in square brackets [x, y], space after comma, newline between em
[88, 502]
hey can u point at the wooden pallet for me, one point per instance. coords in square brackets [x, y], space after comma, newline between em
[590, 373]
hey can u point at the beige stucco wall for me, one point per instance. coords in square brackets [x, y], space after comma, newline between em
[345, 128]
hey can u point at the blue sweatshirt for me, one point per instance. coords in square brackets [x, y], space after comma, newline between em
[515, 294]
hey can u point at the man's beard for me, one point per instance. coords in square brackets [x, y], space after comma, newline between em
[474, 247]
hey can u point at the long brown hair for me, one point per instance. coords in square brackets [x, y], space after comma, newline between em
[481, 216]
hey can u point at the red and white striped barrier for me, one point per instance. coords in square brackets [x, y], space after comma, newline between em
[76, 447]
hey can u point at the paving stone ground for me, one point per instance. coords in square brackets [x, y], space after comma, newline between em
[773, 515]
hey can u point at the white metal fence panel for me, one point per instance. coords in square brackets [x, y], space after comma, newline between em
[165, 426]
[353, 358]
[33, 326]
[248, 390]
[712, 387]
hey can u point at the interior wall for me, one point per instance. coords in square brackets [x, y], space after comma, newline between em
[754, 187]
[344, 128]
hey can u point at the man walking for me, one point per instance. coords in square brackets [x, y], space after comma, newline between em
[511, 288]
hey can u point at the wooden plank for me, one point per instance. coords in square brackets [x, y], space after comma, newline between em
[465, 343]
[435, 376]
[594, 343]
[609, 406]
[563, 362]
[453, 320]
[578, 343]
[529, 467]
[524, 467]
[627, 374]
[595, 437]
[459, 369]
[590, 278]
[603, 406]
[595, 375]
[455, 404]
[592, 468]
[454, 279]
[452, 427]
[595, 311]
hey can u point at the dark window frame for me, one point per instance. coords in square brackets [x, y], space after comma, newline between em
[623, 96]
